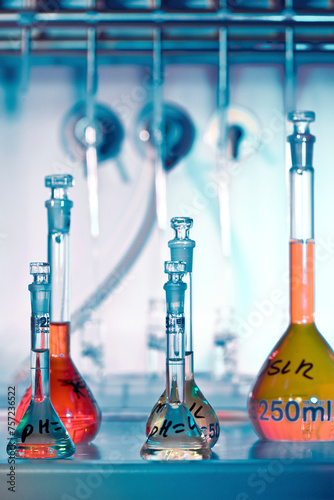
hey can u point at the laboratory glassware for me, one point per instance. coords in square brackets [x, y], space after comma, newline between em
[70, 394]
[40, 432]
[292, 398]
[182, 250]
[174, 434]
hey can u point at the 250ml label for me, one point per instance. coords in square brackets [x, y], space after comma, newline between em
[307, 411]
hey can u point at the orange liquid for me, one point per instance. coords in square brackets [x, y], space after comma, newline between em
[70, 396]
[302, 281]
[293, 396]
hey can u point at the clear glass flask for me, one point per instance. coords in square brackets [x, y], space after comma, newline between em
[70, 394]
[40, 432]
[175, 434]
[182, 250]
[292, 398]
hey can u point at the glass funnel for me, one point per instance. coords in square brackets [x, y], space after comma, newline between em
[182, 250]
[292, 398]
[174, 434]
[40, 432]
[70, 394]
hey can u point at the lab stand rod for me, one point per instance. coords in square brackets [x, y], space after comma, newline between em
[154, 18]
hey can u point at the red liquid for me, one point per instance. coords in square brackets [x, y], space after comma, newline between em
[70, 396]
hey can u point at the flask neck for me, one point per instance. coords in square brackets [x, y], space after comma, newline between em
[40, 341]
[60, 340]
[58, 255]
[59, 222]
[302, 281]
[40, 375]
[302, 242]
[189, 365]
[175, 379]
[189, 361]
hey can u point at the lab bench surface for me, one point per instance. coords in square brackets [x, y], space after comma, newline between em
[242, 467]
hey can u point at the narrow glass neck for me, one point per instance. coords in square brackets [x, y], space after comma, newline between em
[40, 354]
[189, 366]
[188, 313]
[302, 246]
[59, 340]
[301, 203]
[40, 375]
[175, 379]
[58, 255]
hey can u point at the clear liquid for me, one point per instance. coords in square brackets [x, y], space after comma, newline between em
[40, 434]
[200, 408]
[175, 436]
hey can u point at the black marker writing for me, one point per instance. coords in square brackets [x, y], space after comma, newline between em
[76, 387]
[196, 414]
[274, 369]
[303, 365]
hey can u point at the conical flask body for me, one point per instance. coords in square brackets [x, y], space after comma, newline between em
[70, 395]
[175, 436]
[203, 413]
[40, 434]
[293, 396]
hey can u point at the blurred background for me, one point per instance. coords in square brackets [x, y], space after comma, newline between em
[189, 101]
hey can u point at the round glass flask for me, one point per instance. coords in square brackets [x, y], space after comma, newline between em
[292, 397]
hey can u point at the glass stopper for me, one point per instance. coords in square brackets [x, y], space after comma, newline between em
[172, 267]
[59, 181]
[301, 140]
[301, 116]
[181, 226]
[39, 268]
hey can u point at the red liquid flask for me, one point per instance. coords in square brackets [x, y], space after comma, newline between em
[70, 395]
